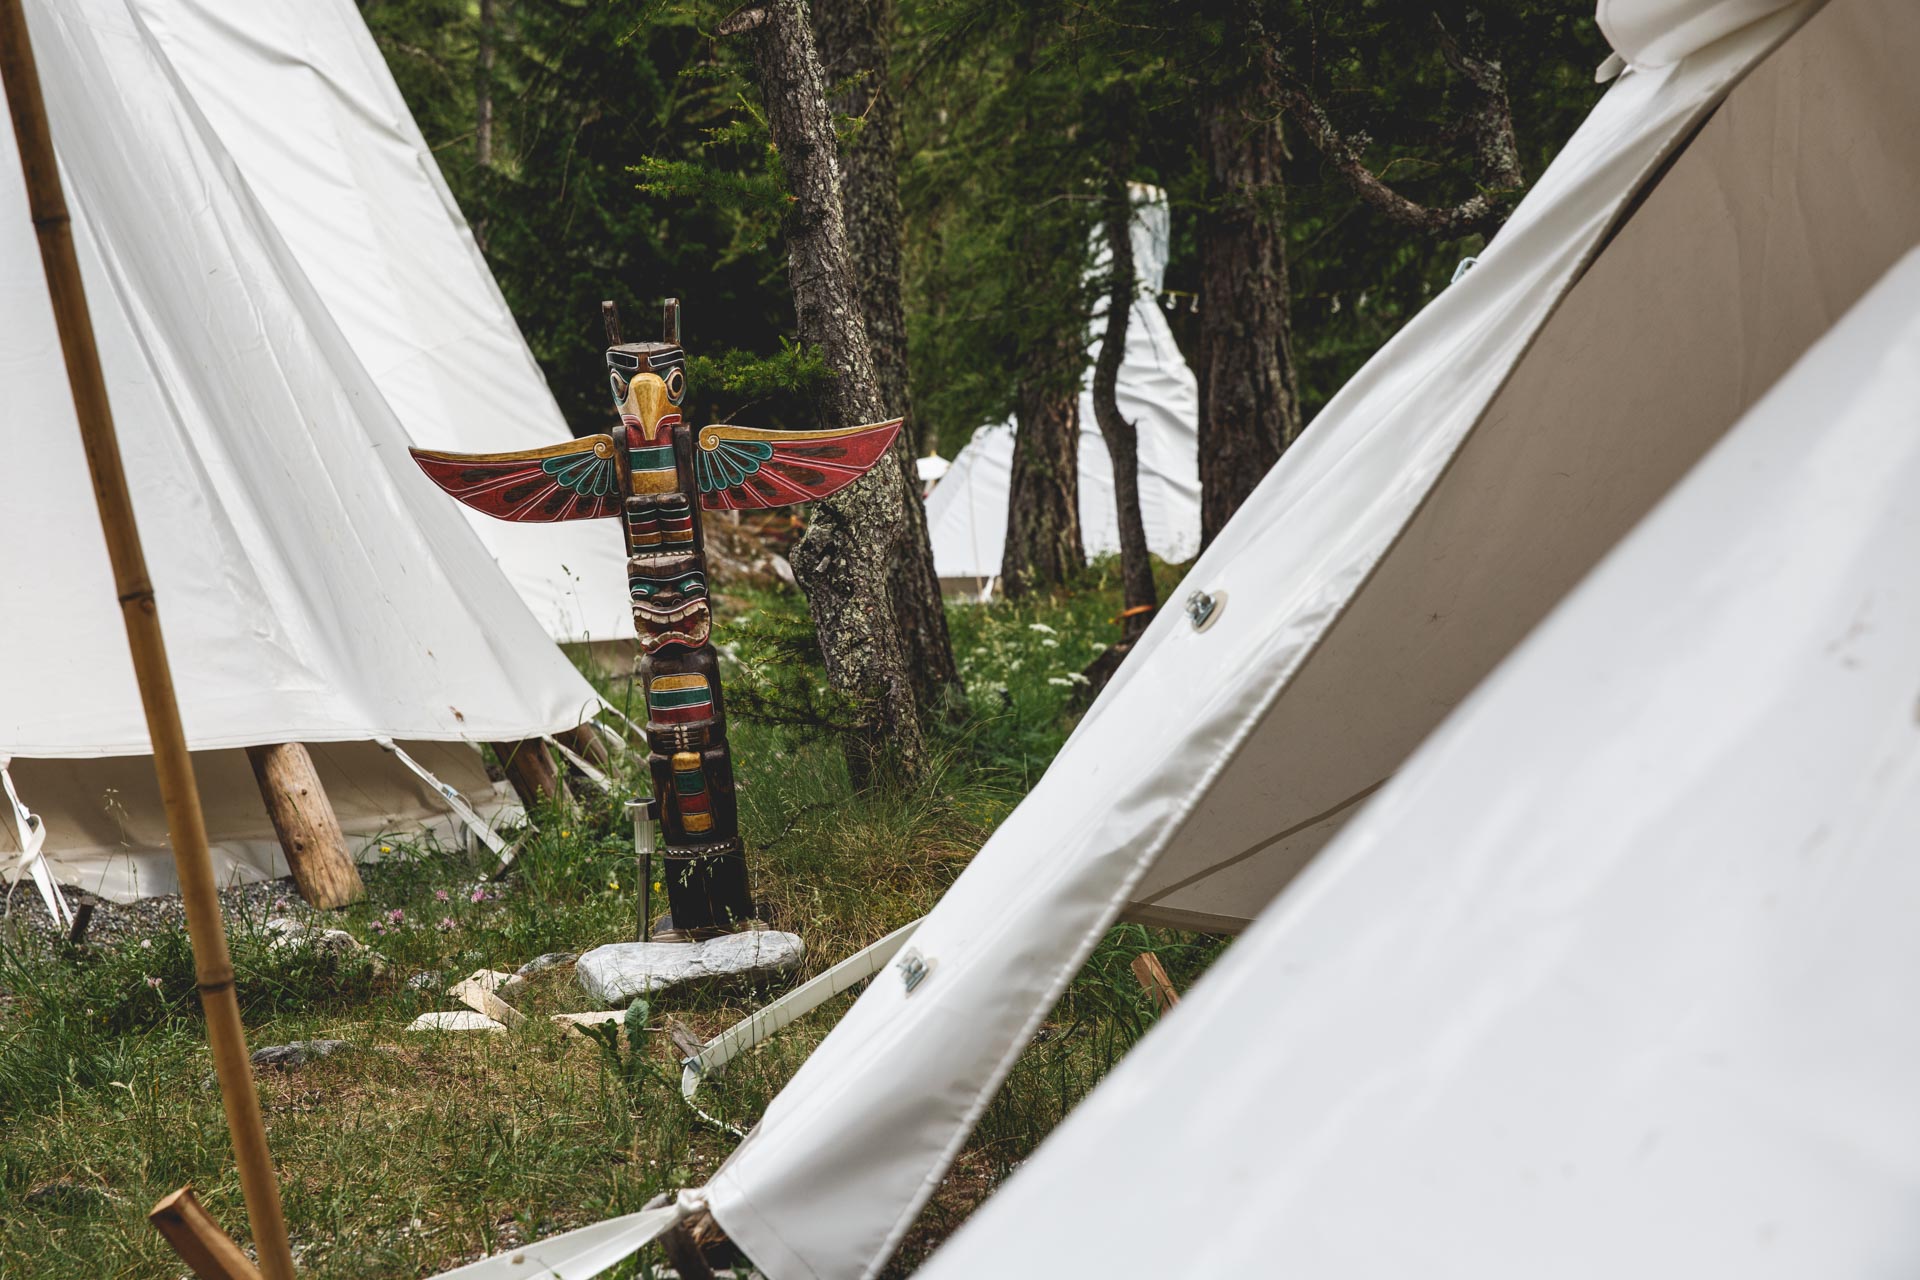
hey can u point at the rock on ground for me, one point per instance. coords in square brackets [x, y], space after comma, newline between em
[541, 963]
[618, 972]
[299, 1053]
[455, 1020]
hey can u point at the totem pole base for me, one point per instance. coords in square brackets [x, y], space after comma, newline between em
[706, 893]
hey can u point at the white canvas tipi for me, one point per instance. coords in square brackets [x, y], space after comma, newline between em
[302, 101]
[312, 586]
[967, 510]
[1612, 979]
[1710, 220]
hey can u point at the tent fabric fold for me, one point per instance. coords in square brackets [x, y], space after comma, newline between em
[340, 167]
[311, 586]
[1704, 226]
[1610, 979]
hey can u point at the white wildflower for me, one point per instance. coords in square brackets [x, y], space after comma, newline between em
[1042, 628]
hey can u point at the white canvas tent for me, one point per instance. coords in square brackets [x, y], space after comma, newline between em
[302, 101]
[967, 510]
[313, 587]
[1709, 221]
[1615, 977]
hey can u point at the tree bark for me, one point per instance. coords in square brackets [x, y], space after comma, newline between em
[846, 560]
[1249, 393]
[1488, 123]
[304, 820]
[1043, 496]
[854, 36]
[1123, 441]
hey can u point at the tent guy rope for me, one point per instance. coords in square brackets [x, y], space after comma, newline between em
[186, 826]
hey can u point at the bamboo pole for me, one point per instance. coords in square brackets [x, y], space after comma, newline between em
[186, 829]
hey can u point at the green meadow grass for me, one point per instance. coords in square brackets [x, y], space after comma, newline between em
[413, 1152]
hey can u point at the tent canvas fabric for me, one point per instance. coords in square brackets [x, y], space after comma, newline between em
[1614, 978]
[967, 510]
[312, 586]
[1706, 224]
[340, 167]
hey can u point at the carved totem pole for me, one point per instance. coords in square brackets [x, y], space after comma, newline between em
[657, 474]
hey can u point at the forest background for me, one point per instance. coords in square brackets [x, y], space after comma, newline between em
[618, 148]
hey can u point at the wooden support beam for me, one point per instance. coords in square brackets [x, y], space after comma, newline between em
[304, 820]
[529, 768]
[587, 744]
[1150, 974]
[208, 1251]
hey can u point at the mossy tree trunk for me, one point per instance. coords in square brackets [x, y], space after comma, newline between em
[1043, 496]
[1249, 392]
[854, 37]
[847, 560]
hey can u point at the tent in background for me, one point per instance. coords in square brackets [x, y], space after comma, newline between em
[302, 101]
[1615, 977]
[967, 510]
[313, 586]
[1707, 223]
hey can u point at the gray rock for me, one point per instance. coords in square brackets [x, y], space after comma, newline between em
[551, 960]
[616, 973]
[68, 1196]
[297, 1054]
[293, 933]
[428, 981]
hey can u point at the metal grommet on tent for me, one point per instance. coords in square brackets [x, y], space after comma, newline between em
[1203, 608]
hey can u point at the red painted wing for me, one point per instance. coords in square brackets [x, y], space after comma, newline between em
[578, 480]
[740, 468]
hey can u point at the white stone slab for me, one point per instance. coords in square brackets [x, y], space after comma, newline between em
[455, 1020]
[616, 973]
[577, 1022]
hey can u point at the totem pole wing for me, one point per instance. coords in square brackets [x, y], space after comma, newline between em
[578, 480]
[739, 468]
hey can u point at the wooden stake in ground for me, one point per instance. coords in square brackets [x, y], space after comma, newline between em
[186, 829]
[304, 820]
[1152, 975]
[198, 1239]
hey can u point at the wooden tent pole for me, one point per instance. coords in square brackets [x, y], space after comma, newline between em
[186, 829]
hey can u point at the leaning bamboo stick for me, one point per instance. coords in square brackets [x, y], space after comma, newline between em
[185, 827]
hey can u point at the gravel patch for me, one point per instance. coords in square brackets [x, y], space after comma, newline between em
[116, 922]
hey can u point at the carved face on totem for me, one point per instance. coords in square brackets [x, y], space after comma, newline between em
[665, 576]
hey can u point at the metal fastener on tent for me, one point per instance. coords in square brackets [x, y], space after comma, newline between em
[913, 969]
[1203, 608]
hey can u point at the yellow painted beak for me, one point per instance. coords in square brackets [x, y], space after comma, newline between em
[647, 401]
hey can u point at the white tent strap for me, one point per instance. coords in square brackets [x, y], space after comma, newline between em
[759, 1025]
[586, 767]
[33, 834]
[577, 1255]
[458, 803]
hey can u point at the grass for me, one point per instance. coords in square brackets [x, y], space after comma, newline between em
[410, 1153]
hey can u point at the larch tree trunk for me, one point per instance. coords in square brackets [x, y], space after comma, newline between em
[1043, 495]
[846, 560]
[1122, 439]
[1249, 392]
[854, 36]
